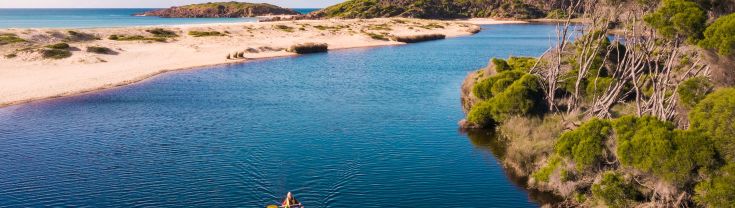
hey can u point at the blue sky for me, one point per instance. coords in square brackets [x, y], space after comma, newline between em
[149, 3]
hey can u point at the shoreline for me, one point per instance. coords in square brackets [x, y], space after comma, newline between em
[28, 78]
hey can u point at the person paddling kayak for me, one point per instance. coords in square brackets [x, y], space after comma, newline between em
[291, 202]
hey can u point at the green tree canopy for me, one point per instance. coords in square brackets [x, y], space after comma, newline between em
[720, 36]
[679, 19]
[715, 116]
[693, 90]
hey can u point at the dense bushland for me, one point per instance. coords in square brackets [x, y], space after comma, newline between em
[635, 118]
[433, 9]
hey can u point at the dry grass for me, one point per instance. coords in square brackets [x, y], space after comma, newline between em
[309, 48]
[283, 28]
[100, 50]
[81, 36]
[8, 38]
[419, 38]
[530, 140]
[205, 33]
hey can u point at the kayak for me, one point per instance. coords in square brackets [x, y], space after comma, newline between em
[288, 202]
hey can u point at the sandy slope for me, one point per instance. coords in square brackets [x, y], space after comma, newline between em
[29, 77]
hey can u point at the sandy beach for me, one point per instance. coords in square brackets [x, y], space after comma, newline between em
[26, 76]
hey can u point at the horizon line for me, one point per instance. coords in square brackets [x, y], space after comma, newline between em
[127, 7]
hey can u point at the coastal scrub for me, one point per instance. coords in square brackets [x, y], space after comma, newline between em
[8, 38]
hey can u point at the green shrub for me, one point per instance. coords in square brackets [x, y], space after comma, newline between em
[55, 53]
[494, 85]
[585, 145]
[715, 117]
[481, 114]
[521, 63]
[62, 46]
[557, 14]
[205, 33]
[693, 90]
[162, 33]
[522, 98]
[653, 146]
[377, 36]
[544, 173]
[500, 65]
[419, 38]
[720, 36]
[283, 28]
[80, 36]
[309, 48]
[680, 19]
[12, 55]
[136, 38]
[99, 50]
[719, 190]
[8, 38]
[614, 190]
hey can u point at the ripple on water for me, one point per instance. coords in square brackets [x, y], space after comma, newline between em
[352, 128]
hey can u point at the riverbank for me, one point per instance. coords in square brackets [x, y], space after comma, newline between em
[139, 52]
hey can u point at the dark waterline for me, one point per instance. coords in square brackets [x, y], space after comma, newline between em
[370, 127]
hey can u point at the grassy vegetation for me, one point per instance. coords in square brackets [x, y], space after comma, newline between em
[284, 28]
[419, 38]
[81, 36]
[308, 48]
[529, 140]
[377, 36]
[384, 27]
[55, 53]
[136, 38]
[100, 50]
[614, 190]
[432, 26]
[63, 46]
[8, 38]
[205, 33]
[10, 55]
[162, 33]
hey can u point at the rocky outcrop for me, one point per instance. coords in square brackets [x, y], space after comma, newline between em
[221, 10]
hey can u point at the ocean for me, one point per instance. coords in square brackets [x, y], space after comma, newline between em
[97, 18]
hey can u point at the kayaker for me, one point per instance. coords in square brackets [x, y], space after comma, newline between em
[291, 202]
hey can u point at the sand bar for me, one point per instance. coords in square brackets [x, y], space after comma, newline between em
[28, 76]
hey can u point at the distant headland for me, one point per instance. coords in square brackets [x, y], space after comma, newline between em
[221, 10]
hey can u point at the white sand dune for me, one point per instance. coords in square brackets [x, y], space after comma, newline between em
[29, 77]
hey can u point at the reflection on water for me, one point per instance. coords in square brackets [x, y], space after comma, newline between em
[493, 142]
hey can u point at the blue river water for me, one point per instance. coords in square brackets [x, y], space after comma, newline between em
[371, 127]
[95, 18]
